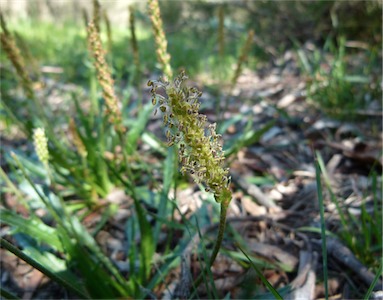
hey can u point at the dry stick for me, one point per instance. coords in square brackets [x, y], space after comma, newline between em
[346, 257]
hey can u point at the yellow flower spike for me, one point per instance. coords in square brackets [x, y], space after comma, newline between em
[40, 142]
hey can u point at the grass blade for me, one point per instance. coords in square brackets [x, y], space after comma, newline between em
[147, 242]
[323, 225]
[373, 284]
[58, 277]
[138, 127]
[6, 294]
[263, 278]
[169, 167]
[32, 227]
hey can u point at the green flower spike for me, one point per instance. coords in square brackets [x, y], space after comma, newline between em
[200, 150]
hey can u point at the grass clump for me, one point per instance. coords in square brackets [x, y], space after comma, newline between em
[338, 82]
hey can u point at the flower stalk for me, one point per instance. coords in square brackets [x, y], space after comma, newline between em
[221, 31]
[134, 43]
[200, 150]
[108, 29]
[242, 57]
[85, 17]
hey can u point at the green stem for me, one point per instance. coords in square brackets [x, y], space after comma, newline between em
[221, 231]
[219, 239]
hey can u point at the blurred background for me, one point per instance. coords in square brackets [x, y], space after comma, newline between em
[192, 30]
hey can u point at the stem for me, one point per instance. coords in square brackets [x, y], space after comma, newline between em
[221, 231]
[218, 241]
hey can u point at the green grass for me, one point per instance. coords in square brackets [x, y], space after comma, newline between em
[362, 235]
[64, 46]
[338, 81]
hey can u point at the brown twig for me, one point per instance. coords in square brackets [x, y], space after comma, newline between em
[344, 255]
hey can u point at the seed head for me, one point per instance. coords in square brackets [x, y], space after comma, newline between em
[200, 150]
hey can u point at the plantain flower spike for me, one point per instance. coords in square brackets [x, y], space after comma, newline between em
[200, 150]
[41, 145]
[104, 76]
[163, 56]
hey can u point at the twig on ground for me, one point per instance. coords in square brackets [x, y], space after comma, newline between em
[344, 255]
